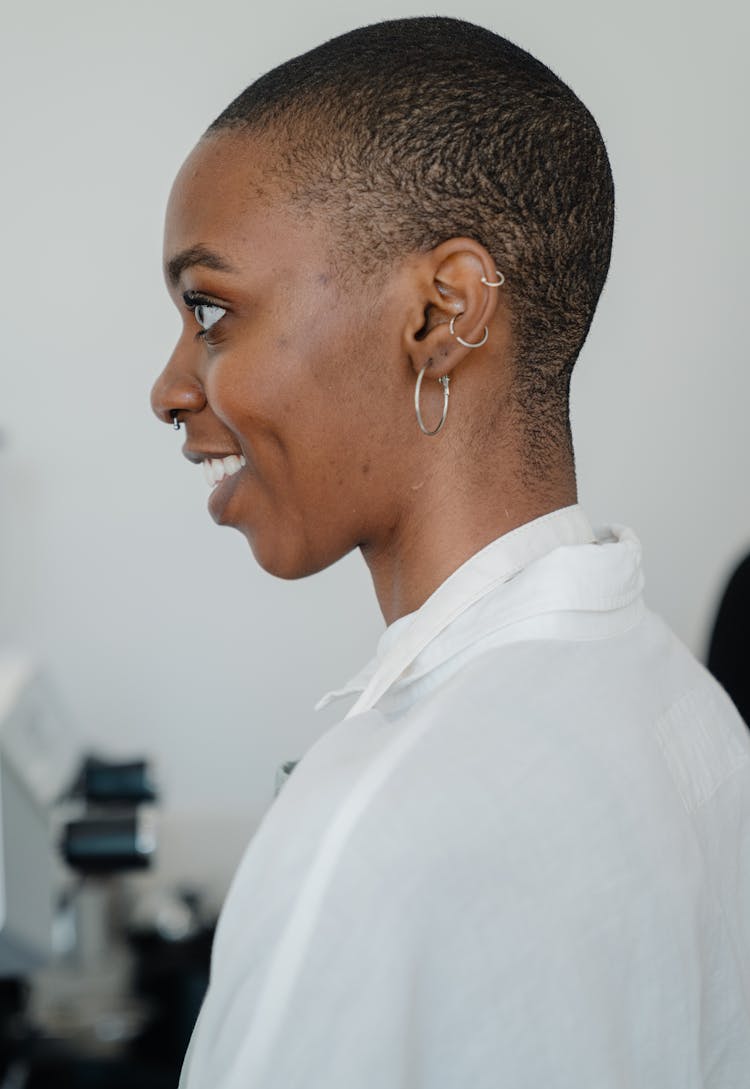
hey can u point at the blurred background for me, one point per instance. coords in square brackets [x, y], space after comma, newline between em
[157, 634]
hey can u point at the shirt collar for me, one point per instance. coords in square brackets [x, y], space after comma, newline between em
[494, 564]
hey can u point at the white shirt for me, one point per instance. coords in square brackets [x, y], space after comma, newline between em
[522, 860]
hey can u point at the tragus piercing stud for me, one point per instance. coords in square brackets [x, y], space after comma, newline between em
[494, 283]
[175, 421]
[466, 343]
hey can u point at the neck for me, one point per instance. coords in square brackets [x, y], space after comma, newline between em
[445, 529]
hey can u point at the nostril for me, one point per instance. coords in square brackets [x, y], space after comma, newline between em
[176, 396]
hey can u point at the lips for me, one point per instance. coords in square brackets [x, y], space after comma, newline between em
[223, 472]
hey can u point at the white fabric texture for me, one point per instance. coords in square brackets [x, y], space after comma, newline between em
[522, 860]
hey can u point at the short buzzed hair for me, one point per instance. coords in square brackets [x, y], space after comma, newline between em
[413, 131]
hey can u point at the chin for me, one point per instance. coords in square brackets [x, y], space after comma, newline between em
[289, 562]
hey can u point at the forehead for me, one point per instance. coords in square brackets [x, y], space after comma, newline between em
[225, 199]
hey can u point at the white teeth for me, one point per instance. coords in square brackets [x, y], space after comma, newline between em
[217, 468]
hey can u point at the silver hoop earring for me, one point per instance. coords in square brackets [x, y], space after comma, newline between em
[175, 421]
[466, 343]
[494, 283]
[444, 382]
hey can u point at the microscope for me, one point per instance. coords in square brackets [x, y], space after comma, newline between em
[94, 990]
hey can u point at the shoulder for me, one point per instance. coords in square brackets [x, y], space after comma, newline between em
[556, 688]
[542, 750]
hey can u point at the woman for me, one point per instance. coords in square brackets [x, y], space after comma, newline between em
[523, 858]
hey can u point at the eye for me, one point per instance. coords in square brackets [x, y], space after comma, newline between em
[207, 314]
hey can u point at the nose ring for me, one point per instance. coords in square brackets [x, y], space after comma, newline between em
[175, 421]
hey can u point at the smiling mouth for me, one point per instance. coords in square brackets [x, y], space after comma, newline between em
[218, 469]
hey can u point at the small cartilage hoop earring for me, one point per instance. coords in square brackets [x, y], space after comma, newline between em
[461, 340]
[494, 283]
[444, 382]
[175, 421]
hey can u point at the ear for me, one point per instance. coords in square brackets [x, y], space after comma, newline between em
[449, 284]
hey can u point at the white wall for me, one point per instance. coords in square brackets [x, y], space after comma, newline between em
[159, 631]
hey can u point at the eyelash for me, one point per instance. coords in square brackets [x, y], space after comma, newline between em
[193, 299]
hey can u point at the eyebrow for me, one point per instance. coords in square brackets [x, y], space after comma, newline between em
[195, 255]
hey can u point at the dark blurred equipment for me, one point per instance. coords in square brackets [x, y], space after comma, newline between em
[119, 1013]
[729, 649]
[113, 834]
[105, 783]
[116, 1004]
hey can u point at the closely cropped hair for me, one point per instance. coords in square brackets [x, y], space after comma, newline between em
[413, 131]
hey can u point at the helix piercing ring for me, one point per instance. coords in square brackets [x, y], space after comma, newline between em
[461, 340]
[494, 283]
[444, 382]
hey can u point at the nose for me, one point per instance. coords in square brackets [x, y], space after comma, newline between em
[177, 391]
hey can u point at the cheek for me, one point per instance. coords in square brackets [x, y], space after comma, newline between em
[245, 378]
[229, 385]
[310, 398]
[275, 400]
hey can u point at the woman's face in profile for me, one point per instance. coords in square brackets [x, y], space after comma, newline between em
[279, 367]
